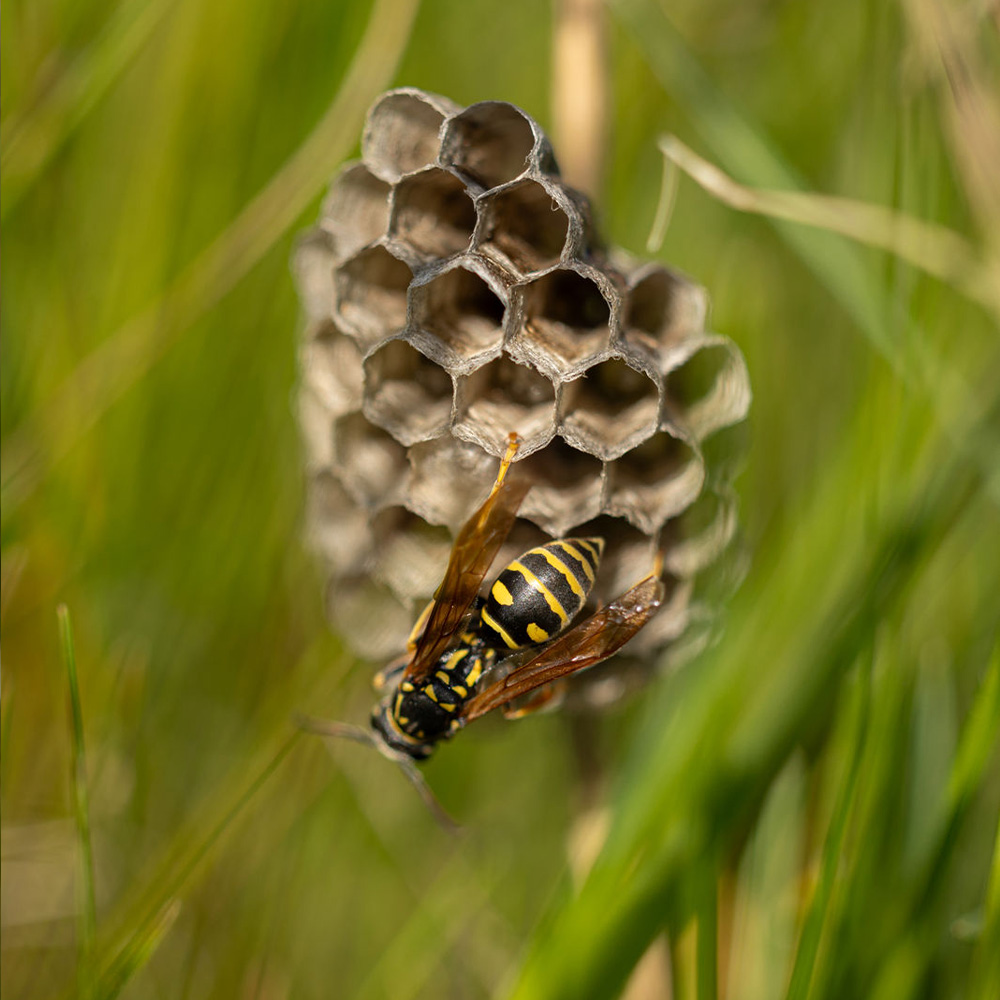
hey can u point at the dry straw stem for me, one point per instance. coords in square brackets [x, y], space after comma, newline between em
[121, 360]
[935, 249]
[948, 38]
[580, 91]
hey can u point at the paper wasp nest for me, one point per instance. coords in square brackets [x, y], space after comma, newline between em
[455, 290]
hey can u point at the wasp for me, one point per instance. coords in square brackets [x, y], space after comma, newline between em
[469, 655]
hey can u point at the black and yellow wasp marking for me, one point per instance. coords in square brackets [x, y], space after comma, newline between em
[469, 655]
[418, 713]
[540, 593]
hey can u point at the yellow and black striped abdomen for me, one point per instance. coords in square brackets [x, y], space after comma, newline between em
[540, 593]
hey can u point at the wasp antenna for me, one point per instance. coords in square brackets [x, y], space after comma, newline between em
[339, 730]
[429, 799]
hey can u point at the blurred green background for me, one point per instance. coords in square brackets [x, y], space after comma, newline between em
[810, 809]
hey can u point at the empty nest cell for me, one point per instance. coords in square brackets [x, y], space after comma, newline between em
[610, 410]
[701, 533]
[314, 261]
[337, 527]
[331, 369]
[663, 307]
[406, 393]
[460, 309]
[525, 225]
[491, 142]
[371, 295]
[655, 481]
[371, 464]
[449, 479]
[566, 487]
[402, 132]
[565, 320]
[503, 396]
[710, 389]
[356, 210]
[370, 617]
[433, 212]
[410, 554]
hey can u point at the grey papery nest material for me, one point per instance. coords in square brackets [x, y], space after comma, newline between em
[455, 290]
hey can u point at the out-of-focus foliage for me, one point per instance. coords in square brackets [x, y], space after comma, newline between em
[810, 808]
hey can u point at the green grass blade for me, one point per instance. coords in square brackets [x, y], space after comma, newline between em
[87, 902]
[736, 729]
[130, 954]
[904, 966]
[707, 915]
[138, 951]
[986, 962]
[819, 907]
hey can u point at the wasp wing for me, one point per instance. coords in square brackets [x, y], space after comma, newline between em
[594, 639]
[475, 548]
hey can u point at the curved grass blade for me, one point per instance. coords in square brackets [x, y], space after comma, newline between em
[935, 249]
[29, 139]
[113, 367]
[130, 954]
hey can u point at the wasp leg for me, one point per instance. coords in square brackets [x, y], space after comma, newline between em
[390, 674]
[418, 629]
[548, 696]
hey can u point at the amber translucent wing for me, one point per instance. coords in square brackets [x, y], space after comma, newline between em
[595, 639]
[475, 548]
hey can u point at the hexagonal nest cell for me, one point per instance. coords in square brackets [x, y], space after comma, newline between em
[565, 321]
[500, 396]
[710, 389]
[406, 393]
[655, 481]
[356, 210]
[337, 528]
[372, 463]
[371, 292]
[457, 290]
[493, 142]
[315, 259]
[410, 555]
[459, 309]
[449, 479]
[402, 132]
[611, 409]
[433, 213]
[663, 307]
[331, 367]
[567, 487]
[524, 225]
